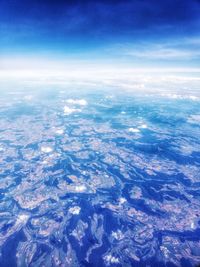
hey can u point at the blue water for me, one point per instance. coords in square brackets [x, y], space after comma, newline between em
[99, 178]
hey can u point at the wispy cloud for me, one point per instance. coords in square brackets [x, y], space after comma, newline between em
[163, 53]
[180, 50]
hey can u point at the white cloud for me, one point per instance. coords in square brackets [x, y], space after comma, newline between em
[95, 75]
[164, 53]
[179, 49]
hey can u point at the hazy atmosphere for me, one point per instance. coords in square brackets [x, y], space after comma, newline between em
[99, 133]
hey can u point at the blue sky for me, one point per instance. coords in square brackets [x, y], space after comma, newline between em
[136, 33]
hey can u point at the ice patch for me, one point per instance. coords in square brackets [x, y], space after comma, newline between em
[68, 110]
[133, 130]
[81, 102]
[46, 149]
[75, 210]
